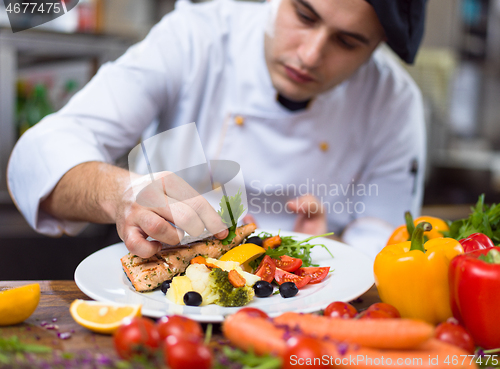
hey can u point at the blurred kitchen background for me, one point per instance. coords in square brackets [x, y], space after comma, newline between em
[458, 70]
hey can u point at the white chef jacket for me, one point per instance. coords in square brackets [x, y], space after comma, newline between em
[353, 147]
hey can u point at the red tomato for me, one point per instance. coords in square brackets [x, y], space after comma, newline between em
[339, 309]
[317, 274]
[374, 314]
[136, 337]
[386, 308]
[456, 335]
[266, 269]
[281, 277]
[182, 353]
[304, 352]
[179, 326]
[288, 264]
[253, 312]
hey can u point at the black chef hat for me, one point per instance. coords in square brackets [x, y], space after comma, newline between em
[403, 22]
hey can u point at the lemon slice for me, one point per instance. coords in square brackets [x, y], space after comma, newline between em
[102, 317]
[243, 253]
[17, 304]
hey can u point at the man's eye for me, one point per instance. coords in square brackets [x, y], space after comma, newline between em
[345, 43]
[304, 17]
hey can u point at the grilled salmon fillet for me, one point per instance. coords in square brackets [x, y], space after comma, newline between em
[148, 274]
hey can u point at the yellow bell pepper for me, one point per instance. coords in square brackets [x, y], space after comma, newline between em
[413, 276]
[403, 232]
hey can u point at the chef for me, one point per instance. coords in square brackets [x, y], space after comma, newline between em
[326, 125]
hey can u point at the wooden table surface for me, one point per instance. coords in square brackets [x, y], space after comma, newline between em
[54, 305]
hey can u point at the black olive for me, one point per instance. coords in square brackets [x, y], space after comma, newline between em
[192, 298]
[263, 289]
[256, 240]
[165, 286]
[288, 289]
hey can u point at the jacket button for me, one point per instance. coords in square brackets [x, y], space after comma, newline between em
[239, 120]
[324, 146]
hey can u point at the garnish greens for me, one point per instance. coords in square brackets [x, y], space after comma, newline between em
[483, 219]
[230, 210]
[12, 345]
[296, 249]
[249, 360]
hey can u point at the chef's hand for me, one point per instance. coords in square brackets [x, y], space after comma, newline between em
[147, 208]
[310, 216]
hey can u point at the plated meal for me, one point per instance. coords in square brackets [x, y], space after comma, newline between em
[228, 272]
[101, 277]
[210, 272]
[272, 263]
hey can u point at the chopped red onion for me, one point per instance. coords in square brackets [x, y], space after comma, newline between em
[64, 336]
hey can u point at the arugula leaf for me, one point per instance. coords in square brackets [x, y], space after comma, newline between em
[291, 247]
[230, 210]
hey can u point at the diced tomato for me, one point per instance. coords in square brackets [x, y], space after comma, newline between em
[288, 264]
[300, 281]
[317, 274]
[266, 269]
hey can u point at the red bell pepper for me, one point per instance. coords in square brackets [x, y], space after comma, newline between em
[475, 294]
[476, 241]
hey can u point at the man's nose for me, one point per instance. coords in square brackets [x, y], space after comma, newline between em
[312, 49]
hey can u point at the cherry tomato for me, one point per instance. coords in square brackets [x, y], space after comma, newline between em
[182, 353]
[266, 269]
[300, 281]
[136, 337]
[253, 312]
[374, 314]
[339, 309]
[179, 326]
[287, 263]
[317, 274]
[304, 352]
[386, 308]
[456, 335]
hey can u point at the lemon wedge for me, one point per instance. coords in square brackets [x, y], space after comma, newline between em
[102, 317]
[17, 304]
[243, 253]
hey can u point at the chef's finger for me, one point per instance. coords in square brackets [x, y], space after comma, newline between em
[307, 204]
[159, 228]
[169, 189]
[183, 217]
[178, 189]
[249, 218]
[137, 244]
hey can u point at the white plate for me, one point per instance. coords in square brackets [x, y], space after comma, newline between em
[100, 276]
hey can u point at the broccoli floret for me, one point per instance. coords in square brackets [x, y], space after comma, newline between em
[226, 294]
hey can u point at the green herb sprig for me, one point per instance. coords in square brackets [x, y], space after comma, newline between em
[230, 210]
[13, 348]
[296, 249]
[251, 361]
[483, 219]
[12, 345]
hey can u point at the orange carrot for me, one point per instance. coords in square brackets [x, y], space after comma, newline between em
[375, 333]
[236, 279]
[271, 242]
[199, 260]
[253, 333]
[263, 336]
[428, 356]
